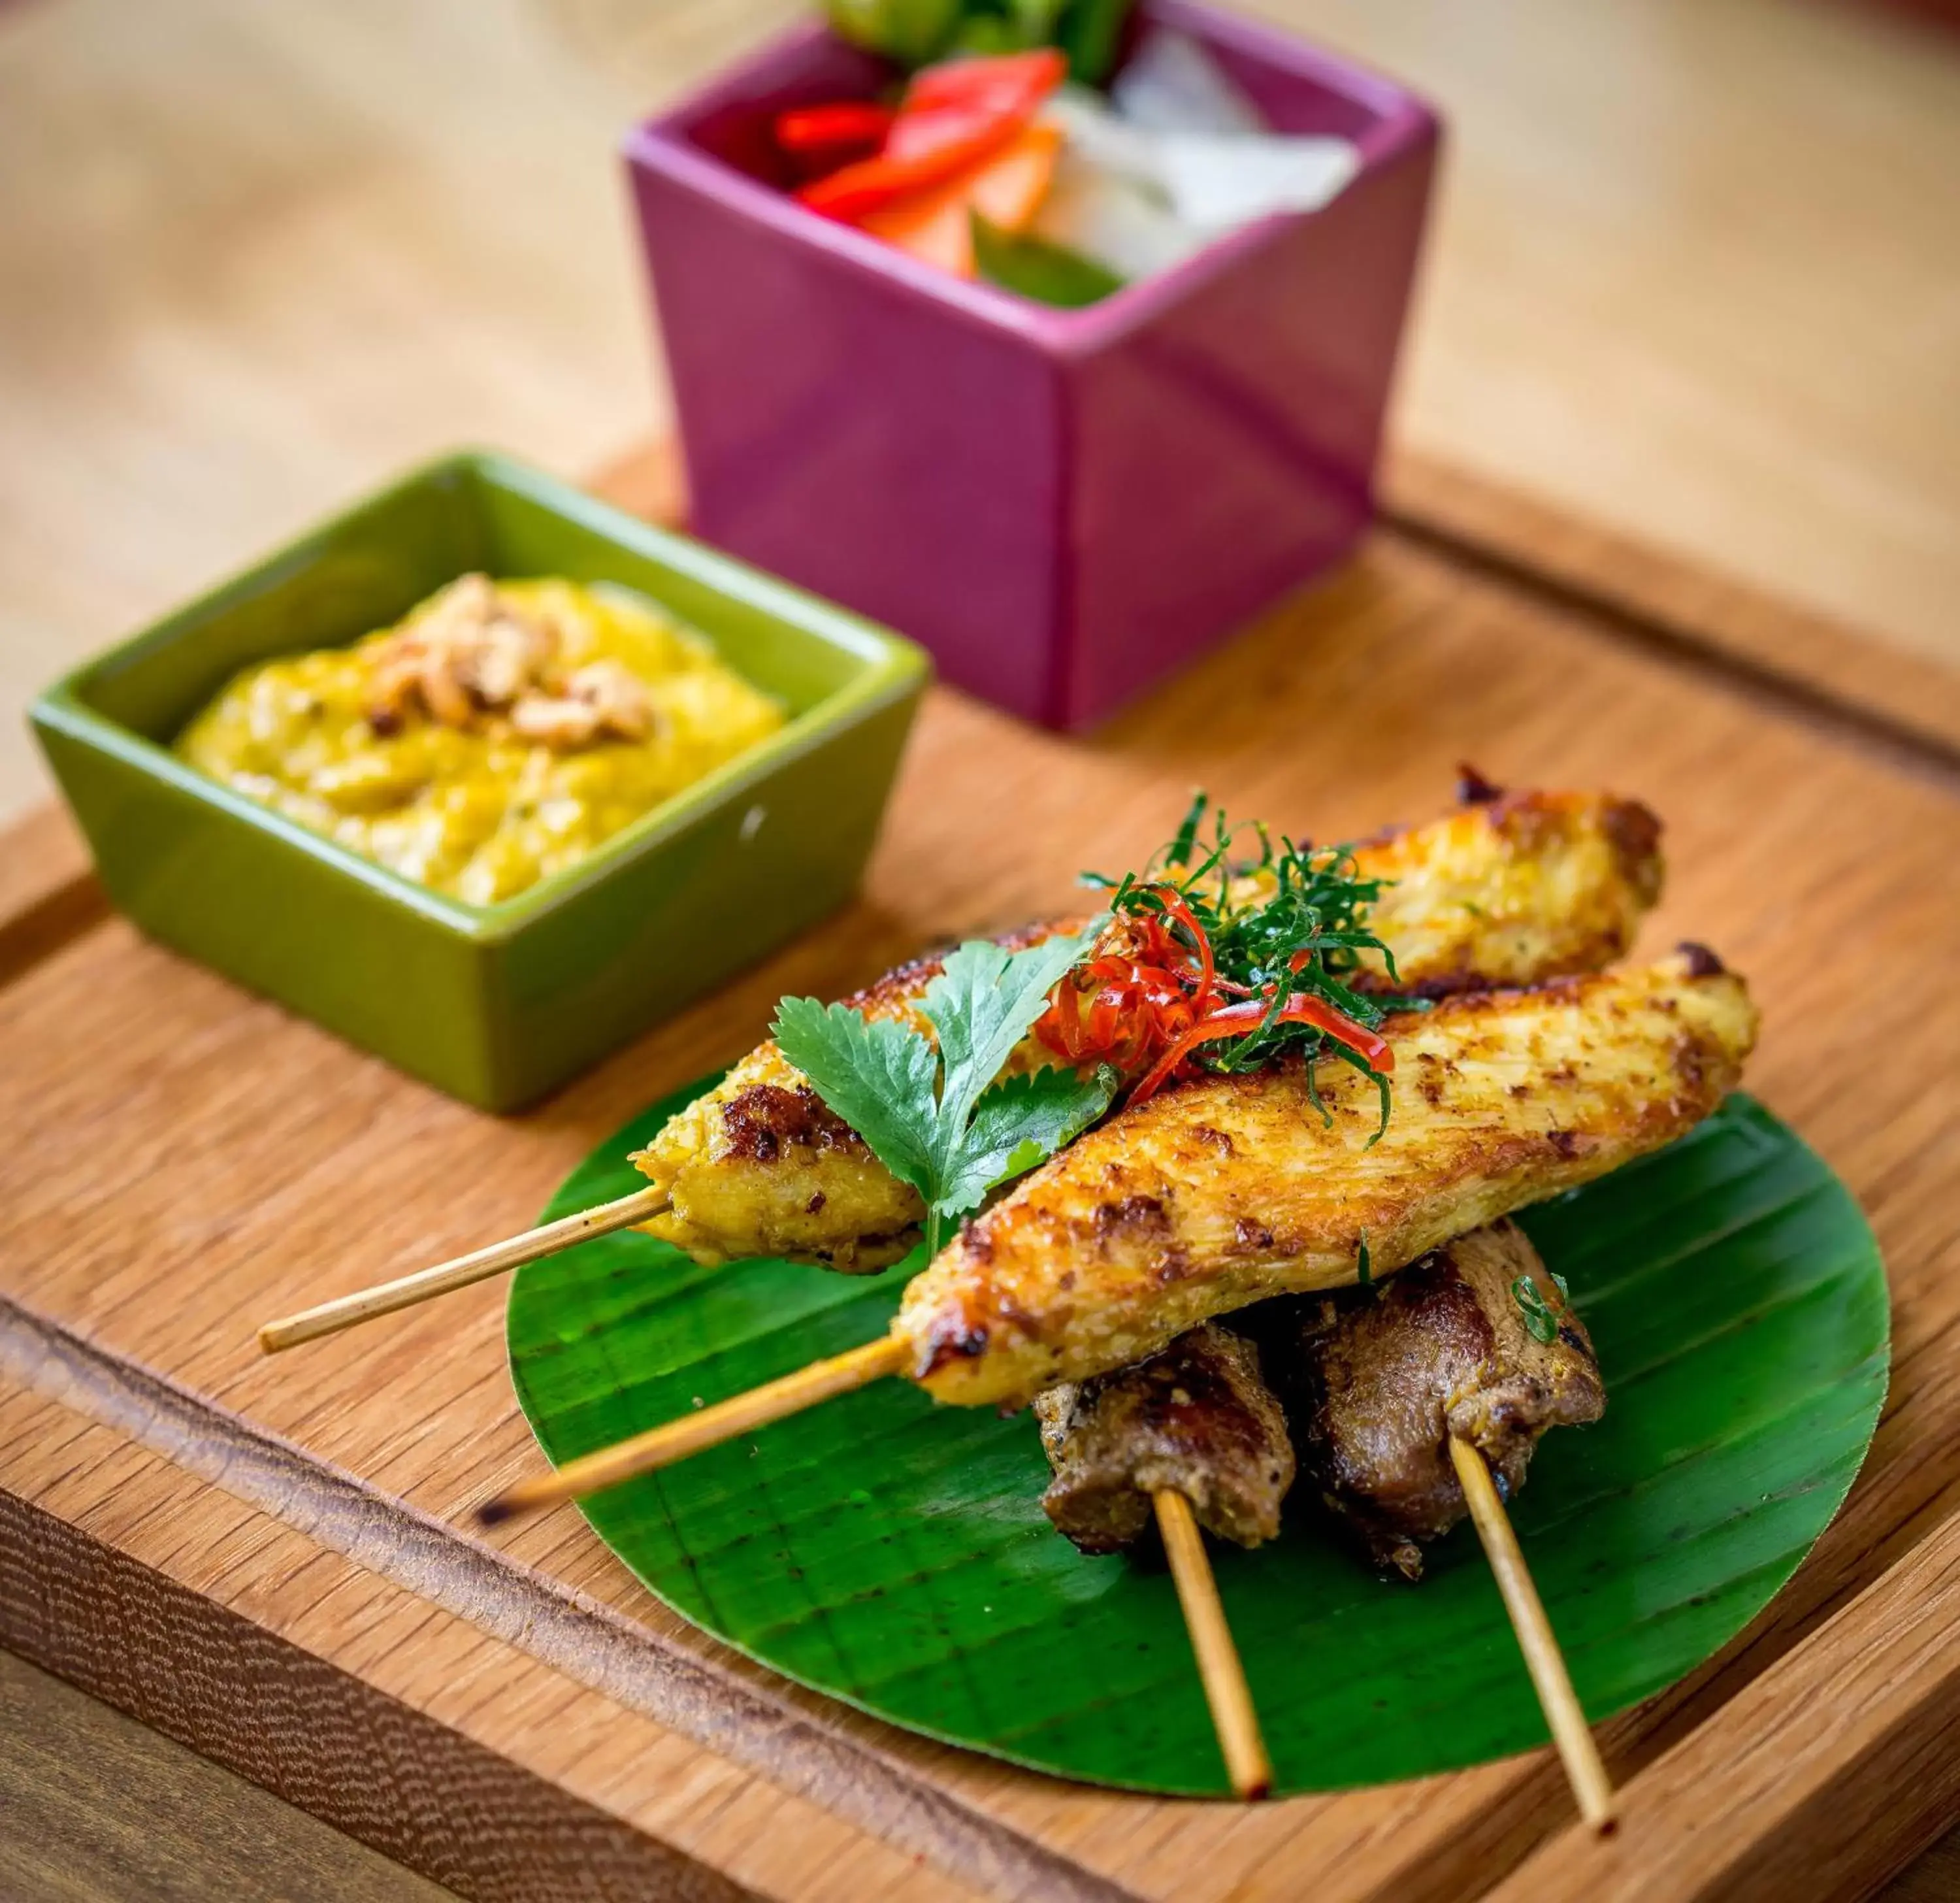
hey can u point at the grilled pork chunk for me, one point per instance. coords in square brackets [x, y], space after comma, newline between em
[1227, 1189]
[1196, 1418]
[1506, 890]
[1377, 1382]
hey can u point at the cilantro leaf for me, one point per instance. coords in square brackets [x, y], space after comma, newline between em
[982, 1003]
[1021, 1122]
[876, 1073]
[928, 1114]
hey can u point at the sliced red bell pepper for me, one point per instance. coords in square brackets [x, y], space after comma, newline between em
[835, 132]
[946, 124]
[936, 224]
[852, 190]
[1010, 82]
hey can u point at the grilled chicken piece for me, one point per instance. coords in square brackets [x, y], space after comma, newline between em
[1504, 890]
[1196, 1418]
[1513, 889]
[1228, 1189]
[1376, 1384]
[761, 1166]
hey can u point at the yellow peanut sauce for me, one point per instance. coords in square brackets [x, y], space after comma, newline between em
[494, 736]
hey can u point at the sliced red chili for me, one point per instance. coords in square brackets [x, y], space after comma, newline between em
[1176, 907]
[1235, 1020]
[1060, 1027]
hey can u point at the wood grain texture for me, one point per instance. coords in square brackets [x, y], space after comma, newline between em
[1678, 606]
[48, 891]
[95, 1807]
[1932, 1877]
[190, 1161]
[371, 1706]
[1788, 1791]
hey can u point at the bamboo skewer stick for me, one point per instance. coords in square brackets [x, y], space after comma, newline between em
[386, 1298]
[1577, 1749]
[1223, 1676]
[675, 1439]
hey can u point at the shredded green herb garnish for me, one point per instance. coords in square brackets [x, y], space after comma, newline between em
[1284, 918]
[1541, 1317]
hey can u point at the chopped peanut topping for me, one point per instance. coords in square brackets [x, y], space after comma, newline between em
[471, 661]
[601, 700]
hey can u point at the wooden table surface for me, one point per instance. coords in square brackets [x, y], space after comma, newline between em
[273, 1560]
[328, 239]
[1694, 274]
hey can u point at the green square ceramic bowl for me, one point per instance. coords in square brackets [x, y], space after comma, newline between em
[494, 1004]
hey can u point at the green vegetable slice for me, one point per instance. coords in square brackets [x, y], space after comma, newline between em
[894, 1555]
[1047, 273]
[910, 31]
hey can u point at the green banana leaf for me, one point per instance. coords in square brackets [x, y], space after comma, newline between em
[894, 1554]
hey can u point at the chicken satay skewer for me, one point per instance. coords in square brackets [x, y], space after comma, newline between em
[460, 1272]
[1224, 1676]
[1577, 1750]
[1561, 880]
[1022, 1300]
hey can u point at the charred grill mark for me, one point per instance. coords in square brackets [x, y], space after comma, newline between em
[765, 1118]
[950, 1340]
[1473, 789]
[1700, 962]
[1142, 1216]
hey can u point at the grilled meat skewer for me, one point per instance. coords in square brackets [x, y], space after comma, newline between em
[1231, 1188]
[1377, 1387]
[1375, 1382]
[1196, 1418]
[1505, 890]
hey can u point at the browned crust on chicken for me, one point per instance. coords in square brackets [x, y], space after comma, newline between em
[1513, 889]
[1197, 1419]
[1230, 1189]
[1497, 892]
[762, 1166]
[1380, 1381]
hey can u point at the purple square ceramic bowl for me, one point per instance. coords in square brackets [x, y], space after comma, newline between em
[1064, 505]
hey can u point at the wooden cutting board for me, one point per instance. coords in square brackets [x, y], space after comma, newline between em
[273, 1560]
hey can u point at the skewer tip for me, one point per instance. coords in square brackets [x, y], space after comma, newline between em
[494, 1512]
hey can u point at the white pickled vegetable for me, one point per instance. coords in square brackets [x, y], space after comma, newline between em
[1218, 183]
[1125, 226]
[1172, 85]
